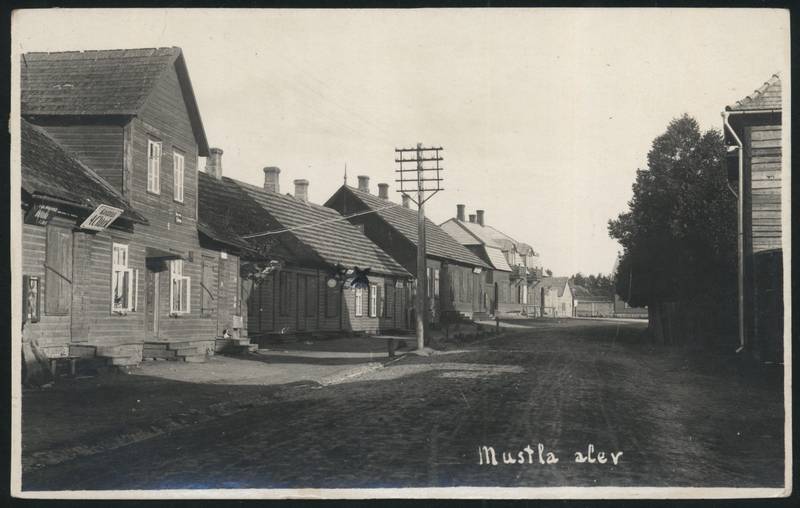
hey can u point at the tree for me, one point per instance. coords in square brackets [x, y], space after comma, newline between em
[679, 233]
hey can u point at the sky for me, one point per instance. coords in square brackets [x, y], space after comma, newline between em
[544, 114]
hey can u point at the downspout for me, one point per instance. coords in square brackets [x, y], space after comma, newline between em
[739, 230]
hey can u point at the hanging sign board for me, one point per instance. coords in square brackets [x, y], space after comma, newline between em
[101, 218]
[477, 269]
[40, 214]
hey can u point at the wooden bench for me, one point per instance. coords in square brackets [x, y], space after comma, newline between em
[71, 360]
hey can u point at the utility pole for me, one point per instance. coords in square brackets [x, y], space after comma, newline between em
[418, 183]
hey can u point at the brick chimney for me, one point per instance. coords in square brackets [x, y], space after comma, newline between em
[383, 190]
[272, 179]
[460, 212]
[301, 189]
[479, 214]
[214, 163]
[363, 183]
[406, 201]
[472, 217]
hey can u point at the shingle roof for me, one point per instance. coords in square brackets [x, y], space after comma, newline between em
[49, 171]
[497, 258]
[404, 221]
[767, 97]
[230, 208]
[103, 82]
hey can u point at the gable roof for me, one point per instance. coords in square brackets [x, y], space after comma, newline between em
[404, 221]
[765, 98]
[548, 283]
[103, 83]
[50, 172]
[230, 209]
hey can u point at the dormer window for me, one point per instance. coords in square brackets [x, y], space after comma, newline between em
[154, 166]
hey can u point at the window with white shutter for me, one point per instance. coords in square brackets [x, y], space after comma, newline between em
[373, 300]
[177, 176]
[179, 289]
[153, 166]
[124, 280]
[358, 302]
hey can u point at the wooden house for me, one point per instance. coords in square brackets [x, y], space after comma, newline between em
[289, 278]
[753, 132]
[623, 310]
[590, 304]
[514, 264]
[109, 131]
[554, 297]
[456, 276]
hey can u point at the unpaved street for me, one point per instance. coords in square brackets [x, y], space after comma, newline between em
[671, 417]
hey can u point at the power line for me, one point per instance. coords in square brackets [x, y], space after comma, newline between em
[306, 226]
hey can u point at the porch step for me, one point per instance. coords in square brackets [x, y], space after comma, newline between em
[159, 353]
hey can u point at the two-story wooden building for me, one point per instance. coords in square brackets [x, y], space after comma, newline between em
[289, 274]
[753, 132]
[455, 275]
[127, 124]
[514, 264]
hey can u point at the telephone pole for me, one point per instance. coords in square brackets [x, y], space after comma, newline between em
[420, 180]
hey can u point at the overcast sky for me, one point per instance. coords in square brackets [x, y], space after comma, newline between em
[544, 115]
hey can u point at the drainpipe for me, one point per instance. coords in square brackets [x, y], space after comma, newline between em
[739, 230]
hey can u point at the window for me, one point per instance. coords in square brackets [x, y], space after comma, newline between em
[124, 281]
[358, 303]
[179, 289]
[373, 300]
[563, 307]
[58, 271]
[524, 294]
[177, 177]
[436, 283]
[285, 291]
[489, 277]
[153, 166]
[430, 282]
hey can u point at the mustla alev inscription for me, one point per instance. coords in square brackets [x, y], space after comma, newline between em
[488, 456]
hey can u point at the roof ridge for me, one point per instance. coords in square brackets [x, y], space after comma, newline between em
[89, 171]
[82, 51]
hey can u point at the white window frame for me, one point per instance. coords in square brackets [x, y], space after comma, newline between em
[436, 283]
[358, 303]
[178, 164]
[120, 269]
[153, 166]
[373, 300]
[177, 280]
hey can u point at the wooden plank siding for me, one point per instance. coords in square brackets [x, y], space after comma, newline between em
[97, 145]
[763, 151]
[289, 310]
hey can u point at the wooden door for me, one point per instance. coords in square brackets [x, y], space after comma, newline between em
[301, 302]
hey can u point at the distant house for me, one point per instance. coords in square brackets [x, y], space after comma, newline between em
[289, 283]
[590, 304]
[456, 276]
[553, 296]
[106, 130]
[753, 130]
[514, 264]
[623, 310]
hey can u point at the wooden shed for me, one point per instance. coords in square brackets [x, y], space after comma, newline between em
[753, 133]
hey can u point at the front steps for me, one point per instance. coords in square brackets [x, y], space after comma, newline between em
[125, 355]
[192, 351]
[234, 346]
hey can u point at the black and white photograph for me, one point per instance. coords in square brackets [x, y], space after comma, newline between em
[511, 253]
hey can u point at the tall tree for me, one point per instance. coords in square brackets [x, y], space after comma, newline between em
[679, 233]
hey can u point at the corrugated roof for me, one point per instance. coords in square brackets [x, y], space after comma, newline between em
[49, 171]
[102, 82]
[251, 210]
[767, 97]
[404, 221]
[497, 258]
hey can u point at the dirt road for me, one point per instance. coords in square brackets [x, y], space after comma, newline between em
[640, 415]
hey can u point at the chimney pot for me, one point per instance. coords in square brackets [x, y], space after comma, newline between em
[301, 189]
[406, 201]
[472, 217]
[363, 183]
[460, 212]
[214, 163]
[383, 190]
[272, 179]
[480, 216]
